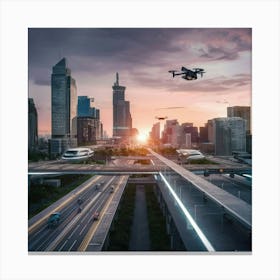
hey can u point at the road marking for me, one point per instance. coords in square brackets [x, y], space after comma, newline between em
[63, 245]
[70, 225]
[94, 227]
[83, 229]
[33, 226]
[72, 245]
[73, 231]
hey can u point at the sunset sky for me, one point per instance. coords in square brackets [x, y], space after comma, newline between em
[143, 57]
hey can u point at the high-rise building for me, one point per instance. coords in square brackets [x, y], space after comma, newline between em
[90, 129]
[85, 108]
[122, 121]
[229, 135]
[172, 133]
[243, 112]
[155, 133]
[188, 128]
[32, 125]
[203, 134]
[64, 109]
[87, 131]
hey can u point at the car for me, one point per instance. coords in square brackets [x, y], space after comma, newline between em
[80, 200]
[95, 216]
[111, 189]
[54, 219]
[80, 209]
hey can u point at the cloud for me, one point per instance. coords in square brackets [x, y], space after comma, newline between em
[170, 108]
[142, 56]
[42, 81]
[218, 84]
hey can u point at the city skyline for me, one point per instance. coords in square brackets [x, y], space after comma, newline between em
[143, 58]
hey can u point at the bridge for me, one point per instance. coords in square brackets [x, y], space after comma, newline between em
[183, 196]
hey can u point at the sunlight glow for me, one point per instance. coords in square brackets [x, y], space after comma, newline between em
[142, 137]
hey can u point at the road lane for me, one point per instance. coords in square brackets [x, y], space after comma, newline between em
[42, 236]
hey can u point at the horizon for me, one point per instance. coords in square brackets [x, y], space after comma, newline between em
[143, 57]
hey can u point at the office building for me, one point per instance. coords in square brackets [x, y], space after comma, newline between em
[188, 128]
[122, 121]
[32, 125]
[87, 131]
[85, 108]
[203, 134]
[243, 112]
[229, 135]
[63, 109]
[155, 133]
[172, 133]
[90, 128]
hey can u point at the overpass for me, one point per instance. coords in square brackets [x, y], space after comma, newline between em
[180, 212]
[236, 207]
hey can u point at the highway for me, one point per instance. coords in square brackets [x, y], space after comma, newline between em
[224, 232]
[75, 227]
[237, 186]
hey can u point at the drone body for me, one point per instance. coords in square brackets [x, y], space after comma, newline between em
[188, 74]
[161, 118]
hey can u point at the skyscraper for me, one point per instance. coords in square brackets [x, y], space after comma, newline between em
[243, 112]
[85, 108]
[122, 121]
[90, 129]
[64, 109]
[172, 133]
[32, 125]
[155, 133]
[229, 135]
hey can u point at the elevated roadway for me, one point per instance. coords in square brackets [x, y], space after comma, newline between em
[231, 204]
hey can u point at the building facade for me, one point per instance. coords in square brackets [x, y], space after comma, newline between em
[90, 128]
[63, 109]
[122, 121]
[243, 112]
[85, 108]
[172, 133]
[32, 125]
[229, 135]
[155, 133]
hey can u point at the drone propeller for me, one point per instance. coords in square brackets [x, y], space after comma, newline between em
[173, 72]
[198, 69]
[201, 73]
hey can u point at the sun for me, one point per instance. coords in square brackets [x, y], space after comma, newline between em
[142, 137]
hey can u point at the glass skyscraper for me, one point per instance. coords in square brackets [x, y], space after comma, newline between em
[122, 122]
[64, 108]
[64, 101]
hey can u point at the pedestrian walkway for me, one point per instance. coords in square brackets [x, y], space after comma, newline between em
[139, 240]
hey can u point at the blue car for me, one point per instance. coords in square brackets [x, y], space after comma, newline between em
[54, 219]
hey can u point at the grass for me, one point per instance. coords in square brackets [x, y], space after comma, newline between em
[41, 196]
[159, 239]
[120, 235]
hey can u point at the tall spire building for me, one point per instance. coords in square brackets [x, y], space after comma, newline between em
[64, 109]
[122, 121]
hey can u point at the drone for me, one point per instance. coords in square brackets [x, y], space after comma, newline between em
[161, 118]
[188, 74]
